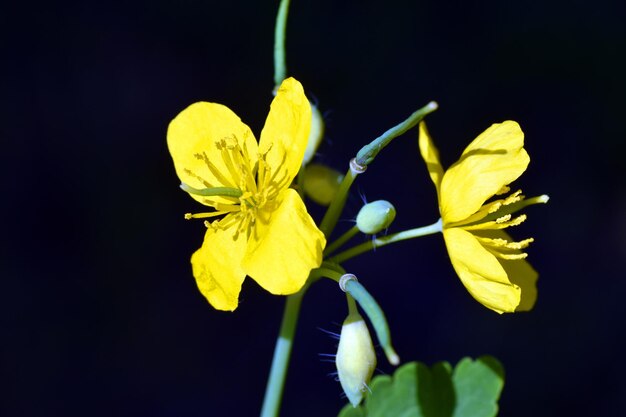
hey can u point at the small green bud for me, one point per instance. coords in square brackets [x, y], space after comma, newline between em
[321, 183]
[356, 359]
[315, 135]
[375, 216]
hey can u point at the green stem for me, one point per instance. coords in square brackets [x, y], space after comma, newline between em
[328, 270]
[363, 158]
[386, 240]
[376, 316]
[284, 343]
[336, 206]
[351, 305]
[356, 291]
[341, 240]
[282, 353]
[280, 65]
[367, 154]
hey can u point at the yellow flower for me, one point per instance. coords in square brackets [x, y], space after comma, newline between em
[266, 231]
[490, 264]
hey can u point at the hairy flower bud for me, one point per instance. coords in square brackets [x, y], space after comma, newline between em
[315, 135]
[375, 217]
[355, 359]
[321, 183]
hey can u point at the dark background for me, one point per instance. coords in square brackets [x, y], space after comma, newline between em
[100, 315]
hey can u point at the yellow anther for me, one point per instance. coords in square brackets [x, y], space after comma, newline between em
[518, 220]
[495, 207]
[505, 189]
[521, 244]
[505, 244]
[493, 242]
[503, 219]
[510, 256]
[198, 177]
[227, 142]
[515, 197]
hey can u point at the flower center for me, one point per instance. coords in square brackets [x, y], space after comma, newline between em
[252, 184]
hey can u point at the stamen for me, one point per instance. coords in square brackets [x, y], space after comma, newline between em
[515, 222]
[262, 170]
[246, 155]
[247, 175]
[278, 182]
[199, 178]
[189, 216]
[215, 224]
[503, 243]
[227, 151]
[495, 206]
[503, 219]
[227, 221]
[247, 200]
[498, 209]
[216, 204]
[514, 203]
[513, 198]
[505, 189]
[498, 204]
[227, 208]
[521, 244]
[269, 181]
[508, 256]
[216, 172]
[246, 225]
[501, 223]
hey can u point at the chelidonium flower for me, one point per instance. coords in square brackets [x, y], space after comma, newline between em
[263, 229]
[490, 264]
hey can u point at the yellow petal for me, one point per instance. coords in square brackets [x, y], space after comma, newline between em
[286, 130]
[430, 154]
[520, 272]
[217, 267]
[494, 159]
[481, 272]
[284, 246]
[194, 133]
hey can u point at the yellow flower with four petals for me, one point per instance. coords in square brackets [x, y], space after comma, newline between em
[490, 264]
[266, 231]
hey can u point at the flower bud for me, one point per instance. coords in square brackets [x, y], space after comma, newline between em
[375, 216]
[321, 183]
[355, 359]
[315, 135]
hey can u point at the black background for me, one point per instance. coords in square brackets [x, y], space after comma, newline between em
[100, 315]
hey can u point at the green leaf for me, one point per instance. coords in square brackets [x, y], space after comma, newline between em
[478, 386]
[472, 389]
[349, 411]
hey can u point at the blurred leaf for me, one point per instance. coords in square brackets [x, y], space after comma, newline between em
[471, 390]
